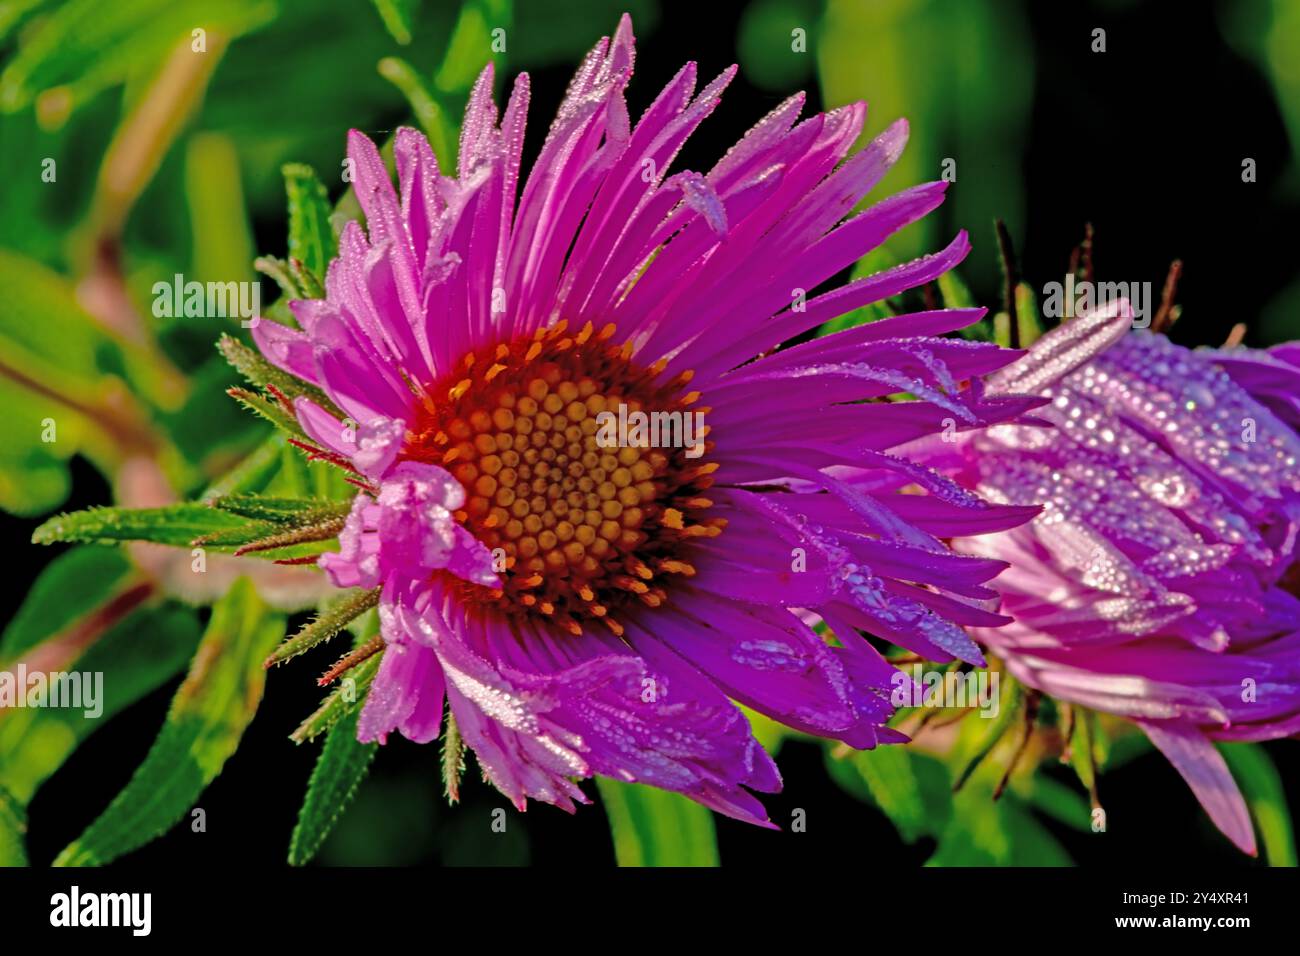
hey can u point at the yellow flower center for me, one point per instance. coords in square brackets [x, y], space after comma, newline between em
[581, 520]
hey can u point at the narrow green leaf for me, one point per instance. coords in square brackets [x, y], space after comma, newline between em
[1010, 709]
[13, 831]
[252, 474]
[311, 239]
[1262, 786]
[1057, 801]
[273, 412]
[345, 698]
[891, 779]
[1028, 320]
[220, 230]
[137, 656]
[653, 827]
[1083, 755]
[453, 759]
[279, 270]
[332, 620]
[433, 119]
[289, 512]
[262, 373]
[204, 726]
[340, 768]
[398, 17]
[73, 584]
[470, 46]
[177, 525]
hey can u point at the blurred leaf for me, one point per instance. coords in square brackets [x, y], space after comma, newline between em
[886, 784]
[891, 780]
[311, 239]
[1032, 844]
[962, 74]
[70, 586]
[1083, 754]
[1262, 787]
[398, 15]
[85, 46]
[136, 657]
[978, 738]
[12, 13]
[222, 239]
[252, 472]
[13, 831]
[653, 827]
[341, 767]
[206, 721]
[1056, 800]
[440, 128]
[45, 324]
[470, 46]
[770, 54]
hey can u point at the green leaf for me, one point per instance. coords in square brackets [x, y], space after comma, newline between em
[82, 47]
[891, 779]
[177, 525]
[453, 759]
[880, 781]
[284, 531]
[653, 827]
[13, 831]
[279, 270]
[272, 411]
[332, 620]
[398, 17]
[252, 473]
[70, 586]
[352, 689]
[136, 657]
[206, 721]
[290, 512]
[433, 119]
[1262, 786]
[1010, 710]
[341, 767]
[222, 237]
[311, 239]
[470, 46]
[262, 373]
[1055, 800]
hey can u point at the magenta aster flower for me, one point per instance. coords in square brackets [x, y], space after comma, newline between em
[1159, 583]
[587, 607]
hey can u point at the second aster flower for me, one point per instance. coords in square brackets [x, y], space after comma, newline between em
[1160, 581]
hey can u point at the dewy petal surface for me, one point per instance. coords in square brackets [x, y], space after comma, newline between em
[1159, 581]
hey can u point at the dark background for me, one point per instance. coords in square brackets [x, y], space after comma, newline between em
[1145, 143]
